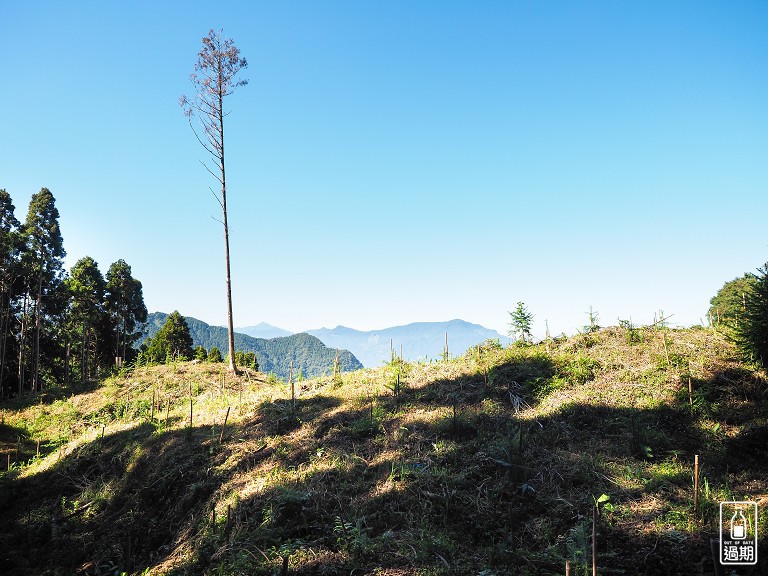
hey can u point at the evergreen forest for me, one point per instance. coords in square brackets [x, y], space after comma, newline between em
[59, 327]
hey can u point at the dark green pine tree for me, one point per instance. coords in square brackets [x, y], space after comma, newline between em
[10, 249]
[751, 333]
[86, 316]
[45, 253]
[521, 320]
[125, 304]
[172, 342]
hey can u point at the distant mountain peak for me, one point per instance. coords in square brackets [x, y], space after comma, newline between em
[263, 330]
[417, 339]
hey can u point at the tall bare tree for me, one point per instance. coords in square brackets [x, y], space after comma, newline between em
[214, 78]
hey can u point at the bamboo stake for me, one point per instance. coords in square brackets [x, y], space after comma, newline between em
[594, 541]
[567, 568]
[190, 406]
[221, 436]
[293, 391]
[695, 484]
[690, 394]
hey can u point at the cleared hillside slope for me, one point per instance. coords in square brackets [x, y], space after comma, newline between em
[487, 464]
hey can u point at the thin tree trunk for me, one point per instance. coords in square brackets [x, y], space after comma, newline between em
[122, 357]
[230, 323]
[36, 362]
[4, 325]
[67, 360]
[23, 341]
[83, 375]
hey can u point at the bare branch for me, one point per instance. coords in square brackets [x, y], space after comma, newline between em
[211, 172]
[217, 198]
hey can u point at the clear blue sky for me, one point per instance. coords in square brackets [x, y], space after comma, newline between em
[392, 162]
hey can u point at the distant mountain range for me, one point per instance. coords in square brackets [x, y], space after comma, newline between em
[309, 355]
[419, 340]
[263, 330]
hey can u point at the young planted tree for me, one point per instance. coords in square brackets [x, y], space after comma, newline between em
[520, 322]
[214, 78]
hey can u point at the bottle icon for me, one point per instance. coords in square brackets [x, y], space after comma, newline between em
[738, 525]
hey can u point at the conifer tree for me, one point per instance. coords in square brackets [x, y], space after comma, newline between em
[86, 287]
[45, 251]
[9, 263]
[172, 342]
[521, 320]
[752, 332]
[218, 64]
[125, 305]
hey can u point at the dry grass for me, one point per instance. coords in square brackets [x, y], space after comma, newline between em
[489, 462]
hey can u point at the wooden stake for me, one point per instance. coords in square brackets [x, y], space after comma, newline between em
[690, 394]
[9, 459]
[293, 391]
[594, 541]
[103, 426]
[221, 436]
[38, 444]
[167, 410]
[666, 352]
[695, 484]
[567, 568]
[152, 416]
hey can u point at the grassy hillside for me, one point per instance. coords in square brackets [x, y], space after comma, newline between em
[489, 464]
